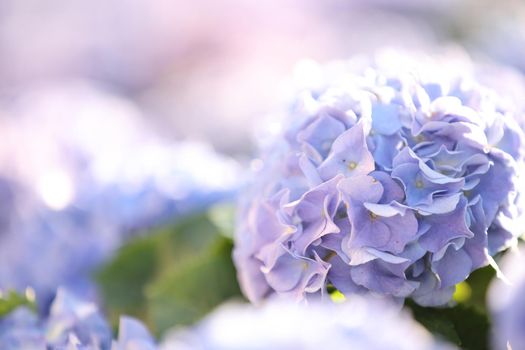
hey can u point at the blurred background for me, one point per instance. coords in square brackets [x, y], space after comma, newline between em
[211, 69]
[118, 118]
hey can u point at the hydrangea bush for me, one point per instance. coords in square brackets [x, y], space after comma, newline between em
[352, 325]
[71, 324]
[395, 177]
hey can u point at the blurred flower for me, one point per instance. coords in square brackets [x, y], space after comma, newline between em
[238, 55]
[507, 305]
[71, 324]
[438, 8]
[79, 173]
[397, 177]
[133, 336]
[126, 43]
[171, 55]
[355, 324]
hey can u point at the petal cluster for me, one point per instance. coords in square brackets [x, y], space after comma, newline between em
[394, 179]
[71, 324]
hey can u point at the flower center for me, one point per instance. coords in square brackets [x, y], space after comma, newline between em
[352, 165]
[419, 138]
[419, 184]
[330, 255]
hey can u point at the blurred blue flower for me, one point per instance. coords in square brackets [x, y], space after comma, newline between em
[506, 303]
[354, 324]
[80, 172]
[397, 177]
[71, 324]
[133, 335]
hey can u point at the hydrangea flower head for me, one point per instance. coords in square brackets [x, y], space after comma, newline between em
[278, 325]
[395, 177]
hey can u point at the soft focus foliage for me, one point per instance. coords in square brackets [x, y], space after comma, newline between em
[174, 275]
[72, 191]
[397, 177]
[357, 324]
[11, 300]
[463, 325]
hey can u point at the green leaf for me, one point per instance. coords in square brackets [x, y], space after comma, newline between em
[189, 291]
[479, 282]
[192, 247]
[186, 239]
[12, 300]
[463, 325]
[436, 321]
[472, 326]
[122, 281]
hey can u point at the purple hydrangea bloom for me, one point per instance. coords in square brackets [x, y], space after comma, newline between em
[397, 177]
[277, 325]
[507, 305]
[81, 172]
[71, 324]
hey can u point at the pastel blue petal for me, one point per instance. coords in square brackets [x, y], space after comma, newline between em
[385, 119]
[444, 228]
[349, 155]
